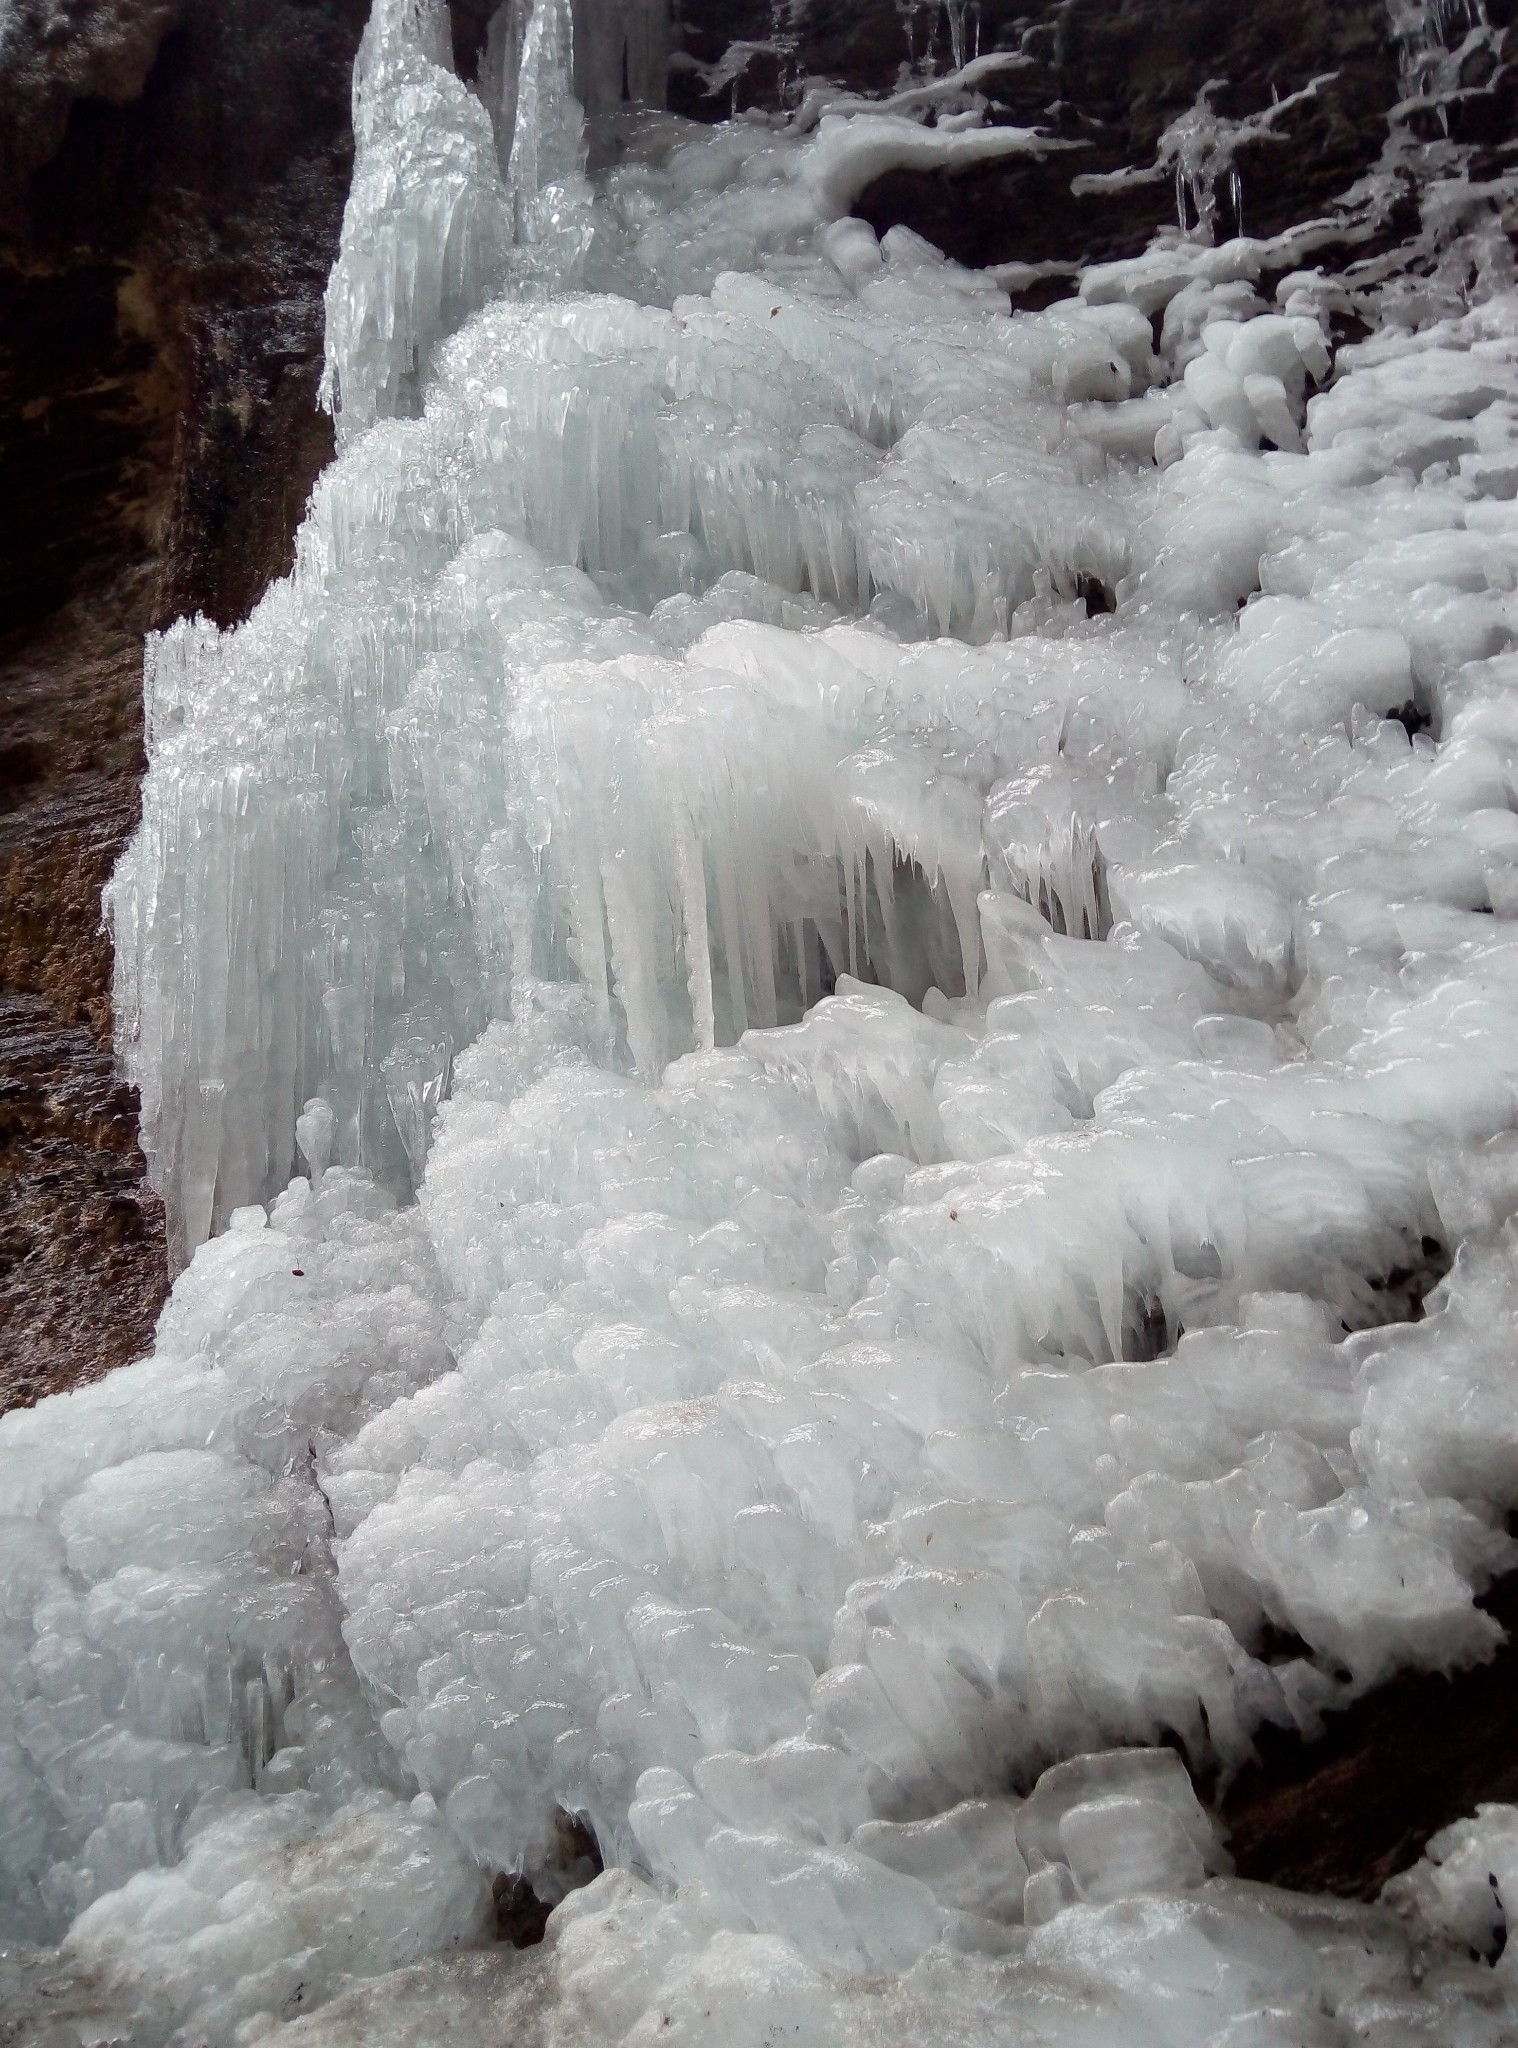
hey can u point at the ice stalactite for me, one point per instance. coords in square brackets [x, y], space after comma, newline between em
[1429, 34]
[544, 173]
[1198, 155]
[425, 229]
[1441, 45]
[1198, 152]
[500, 72]
[960, 52]
[963, 21]
[622, 51]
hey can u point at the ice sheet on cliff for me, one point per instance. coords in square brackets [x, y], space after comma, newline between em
[924, 898]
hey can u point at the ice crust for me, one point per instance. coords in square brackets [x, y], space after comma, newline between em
[921, 898]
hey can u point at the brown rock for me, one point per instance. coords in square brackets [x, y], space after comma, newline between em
[53, 52]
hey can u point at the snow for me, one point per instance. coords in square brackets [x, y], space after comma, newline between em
[881, 932]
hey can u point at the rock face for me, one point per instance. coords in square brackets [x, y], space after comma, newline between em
[53, 52]
[171, 185]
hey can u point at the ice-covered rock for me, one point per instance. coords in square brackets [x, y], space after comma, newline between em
[925, 919]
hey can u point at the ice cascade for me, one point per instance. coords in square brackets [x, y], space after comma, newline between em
[920, 896]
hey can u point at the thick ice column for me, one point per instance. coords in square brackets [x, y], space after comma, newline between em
[423, 24]
[611, 52]
[215, 1022]
[548, 140]
[426, 229]
[500, 71]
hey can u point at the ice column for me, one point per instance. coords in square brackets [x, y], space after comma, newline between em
[426, 229]
[548, 137]
[500, 71]
[213, 1021]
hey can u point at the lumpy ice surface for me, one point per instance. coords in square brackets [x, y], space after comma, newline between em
[883, 931]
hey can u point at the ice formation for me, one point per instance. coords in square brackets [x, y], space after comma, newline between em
[921, 897]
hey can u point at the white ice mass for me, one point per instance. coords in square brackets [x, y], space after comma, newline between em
[883, 931]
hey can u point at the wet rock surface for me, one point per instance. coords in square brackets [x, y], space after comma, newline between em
[54, 53]
[78, 1207]
[1108, 80]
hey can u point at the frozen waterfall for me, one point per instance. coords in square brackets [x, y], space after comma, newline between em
[880, 929]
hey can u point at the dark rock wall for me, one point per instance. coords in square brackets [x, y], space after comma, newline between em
[171, 186]
[53, 52]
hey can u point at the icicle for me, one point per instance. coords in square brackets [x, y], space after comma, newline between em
[907, 11]
[729, 902]
[632, 927]
[1200, 148]
[622, 51]
[424, 230]
[500, 73]
[956, 10]
[548, 141]
[697, 940]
